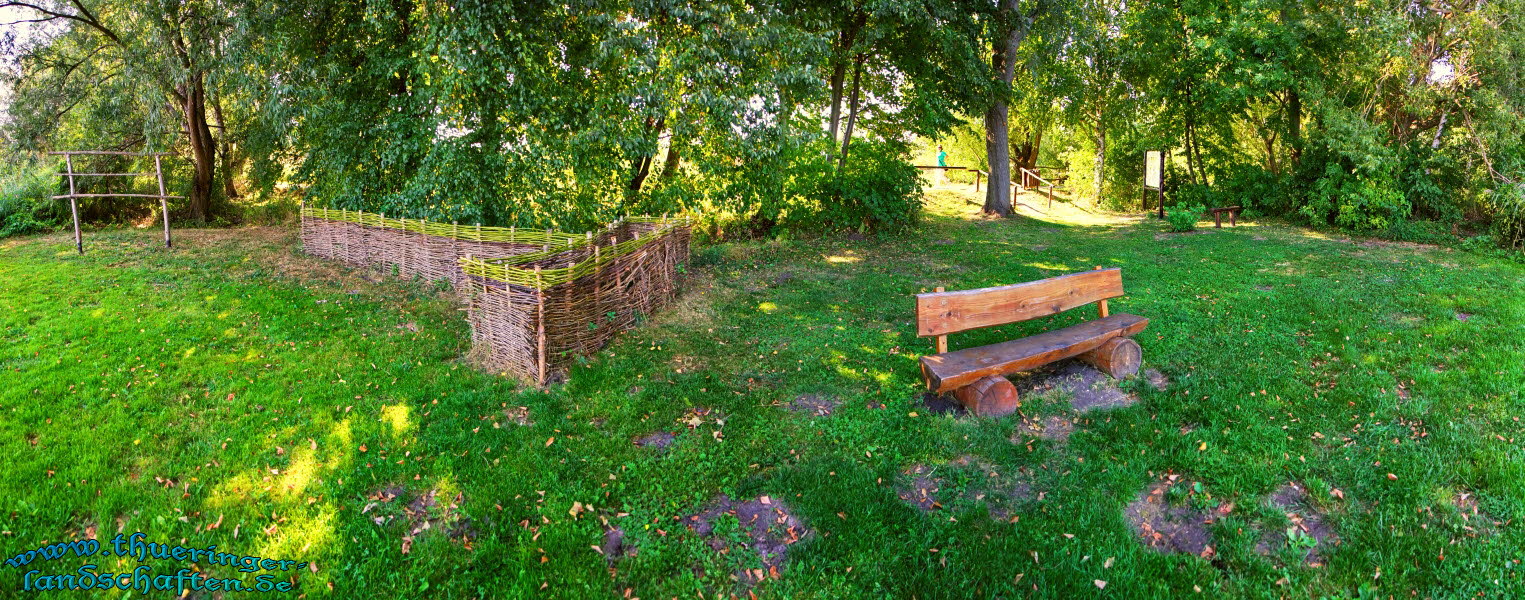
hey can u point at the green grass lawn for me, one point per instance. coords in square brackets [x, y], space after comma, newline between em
[233, 391]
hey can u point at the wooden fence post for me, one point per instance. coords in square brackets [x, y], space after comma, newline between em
[73, 202]
[540, 325]
[163, 200]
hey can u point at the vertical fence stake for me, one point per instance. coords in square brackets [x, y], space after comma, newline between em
[540, 308]
[163, 201]
[73, 202]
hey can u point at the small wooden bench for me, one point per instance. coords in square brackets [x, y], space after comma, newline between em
[975, 375]
[1233, 215]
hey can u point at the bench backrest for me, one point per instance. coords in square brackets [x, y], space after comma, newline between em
[942, 313]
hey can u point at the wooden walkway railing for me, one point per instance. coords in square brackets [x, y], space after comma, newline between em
[1030, 177]
[73, 195]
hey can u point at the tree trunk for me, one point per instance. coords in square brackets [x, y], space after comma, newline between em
[845, 42]
[674, 157]
[997, 150]
[643, 164]
[1295, 125]
[203, 147]
[1101, 152]
[225, 150]
[1025, 155]
[852, 111]
[997, 137]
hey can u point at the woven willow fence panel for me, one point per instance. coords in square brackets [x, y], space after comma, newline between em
[536, 300]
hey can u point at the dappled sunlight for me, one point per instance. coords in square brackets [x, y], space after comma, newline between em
[300, 473]
[399, 417]
[302, 536]
[767, 307]
[843, 259]
[1050, 266]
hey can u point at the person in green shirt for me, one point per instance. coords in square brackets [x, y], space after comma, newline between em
[942, 161]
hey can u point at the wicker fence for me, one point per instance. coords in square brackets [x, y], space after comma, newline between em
[536, 299]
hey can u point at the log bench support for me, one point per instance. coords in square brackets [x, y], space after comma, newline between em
[976, 376]
[1233, 215]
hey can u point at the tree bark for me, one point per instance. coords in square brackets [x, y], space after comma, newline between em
[852, 111]
[225, 150]
[643, 164]
[997, 135]
[203, 147]
[674, 157]
[1295, 125]
[845, 42]
[1101, 151]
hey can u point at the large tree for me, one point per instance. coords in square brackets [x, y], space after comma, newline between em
[1008, 28]
[80, 51]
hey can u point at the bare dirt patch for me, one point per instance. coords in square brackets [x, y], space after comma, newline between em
[767, 528]
[615, 547]
[965, 481]
[1309, 529]
[518, 415]
[920, 489]
[819, 405]
[1171, 515]
[658, 440]
[1088, 388]
[424, 512]
[1054, 428]
[1473, 520]
[1157, 380]
[1463, 316]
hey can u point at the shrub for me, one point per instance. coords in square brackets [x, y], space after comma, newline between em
[1183, 217]
[1354, 202]
[878, 191]
[1507, 205]
[26, 203]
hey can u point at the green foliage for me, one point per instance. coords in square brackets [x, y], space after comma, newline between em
[26, 203]
[1353, 202]
[1184, 217]
[1507, 206]
[879, 190]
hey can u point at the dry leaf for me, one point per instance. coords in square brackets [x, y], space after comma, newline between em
[1108, 564]
[1392, 477]
[1100, 585]
[549, 442]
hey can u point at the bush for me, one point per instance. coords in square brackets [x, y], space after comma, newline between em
[1183, 217]
[878, 191]
[1354, 202]
[1253, 188]
[1507, 207]
[26, 203]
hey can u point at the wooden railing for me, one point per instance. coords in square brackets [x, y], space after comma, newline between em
[1030, 177]
[73, 195]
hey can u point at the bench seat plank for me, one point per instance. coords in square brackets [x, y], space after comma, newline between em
[952, 370]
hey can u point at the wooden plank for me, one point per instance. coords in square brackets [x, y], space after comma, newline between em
[110, 153]
[114, 196]
[951, 312]
[953, 370]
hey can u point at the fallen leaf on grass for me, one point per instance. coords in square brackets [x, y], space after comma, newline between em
[1100, 585]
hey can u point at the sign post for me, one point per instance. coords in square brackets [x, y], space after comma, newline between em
[1154, 164]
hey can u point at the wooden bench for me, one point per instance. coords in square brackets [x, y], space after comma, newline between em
[975, 375]
[1233, 215]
